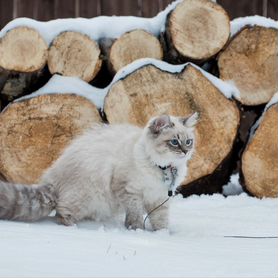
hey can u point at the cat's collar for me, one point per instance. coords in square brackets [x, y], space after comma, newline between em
[169, 177]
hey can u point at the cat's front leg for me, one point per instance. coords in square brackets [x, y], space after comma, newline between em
[159, 218]
[134, 211]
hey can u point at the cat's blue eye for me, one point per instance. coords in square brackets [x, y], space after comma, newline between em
[174, 142]
[188, 142]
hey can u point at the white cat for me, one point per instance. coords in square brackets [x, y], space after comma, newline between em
[107, 170]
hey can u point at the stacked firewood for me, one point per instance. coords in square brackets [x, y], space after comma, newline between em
[234, 134]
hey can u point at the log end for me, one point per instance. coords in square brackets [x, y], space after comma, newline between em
[130, 100]
[74, 54]
[250, 61]
[198, 28]
[23, 49]
[35, 131]
[132, 46]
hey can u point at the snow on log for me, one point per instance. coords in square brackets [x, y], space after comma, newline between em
[132, 46]
[197, 30]
[34, 131]
[74, 54]
[259, 172]
[150, 91]
[250, 62]
[23, 55]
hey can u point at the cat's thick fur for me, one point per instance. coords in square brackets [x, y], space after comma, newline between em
[109, 169]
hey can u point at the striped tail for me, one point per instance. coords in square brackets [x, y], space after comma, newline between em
[26, 202]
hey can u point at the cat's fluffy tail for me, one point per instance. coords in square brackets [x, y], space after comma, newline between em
[26, 202]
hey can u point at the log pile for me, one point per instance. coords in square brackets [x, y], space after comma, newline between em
[34, 131]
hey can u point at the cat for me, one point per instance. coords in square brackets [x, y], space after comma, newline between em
[107, 170]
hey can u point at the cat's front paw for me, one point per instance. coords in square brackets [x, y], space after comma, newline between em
[134, 225]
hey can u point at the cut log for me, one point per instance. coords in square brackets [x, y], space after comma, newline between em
[132, 46]
[259, 161]
[23, 55]
[197, 30]
[23, 49]
[74, 54]
[149, 91]
[250, 61]
[33, 133]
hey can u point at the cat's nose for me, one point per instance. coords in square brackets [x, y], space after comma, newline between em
[184, 151]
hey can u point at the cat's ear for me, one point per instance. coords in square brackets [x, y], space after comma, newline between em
[159, 123]
[190, 121]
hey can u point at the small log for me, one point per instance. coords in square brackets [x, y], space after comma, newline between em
[250, 61]
[196, 30]
[34, 132]
[149, 91]
[132, 46]
[74, 54]
[259, 172]
[23, 55]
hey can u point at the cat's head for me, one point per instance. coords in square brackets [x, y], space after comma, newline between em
[169, 139]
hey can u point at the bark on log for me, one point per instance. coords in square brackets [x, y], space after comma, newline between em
[74, 54]
[196, 30]
[132, 46]
[23, 55]
[251, 62]
[33, 133]
[259, 173]
[130, 100]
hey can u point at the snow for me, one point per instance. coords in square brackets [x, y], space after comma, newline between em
[225, 88]
[74, 85]
[273, 100]
[96, 28]
[238, 23]
[69, 85]
[233, 187]
[196, 245]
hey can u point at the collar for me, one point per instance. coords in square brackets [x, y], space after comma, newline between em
[169, 177]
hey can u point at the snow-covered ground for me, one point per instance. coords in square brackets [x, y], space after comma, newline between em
[196, 245]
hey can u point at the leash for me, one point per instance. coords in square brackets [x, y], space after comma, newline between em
[169, 177]
[253, 237]
[147, 216]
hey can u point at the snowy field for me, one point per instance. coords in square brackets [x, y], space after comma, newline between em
[196, 245]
